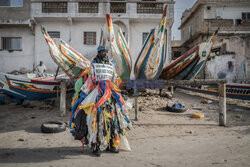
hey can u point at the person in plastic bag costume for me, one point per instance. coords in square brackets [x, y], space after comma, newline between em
[99, 115]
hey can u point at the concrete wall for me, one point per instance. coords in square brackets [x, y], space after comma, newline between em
[192, 23]
[220, 68]
[17, 59]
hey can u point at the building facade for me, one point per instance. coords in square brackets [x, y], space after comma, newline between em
[232, 57]
[79, 23]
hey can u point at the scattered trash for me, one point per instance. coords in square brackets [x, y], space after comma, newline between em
[49, 102]
[189, 132]
[124, 144]
[27, 104]
[166, 94]
[197, 115]
[53, 127]
[197, 108]
[177, 107]
[22, 70]
[239, 116]
[129, 104]
[205, 101]
[20, 139]
[46, 107]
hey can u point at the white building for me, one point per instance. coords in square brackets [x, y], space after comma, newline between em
[78, 23]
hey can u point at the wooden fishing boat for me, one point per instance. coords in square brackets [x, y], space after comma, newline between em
[191, 63]
[152, 56]
[179, 66]
[112, 36]
[22, 87]
[233, 90]
[71, 61]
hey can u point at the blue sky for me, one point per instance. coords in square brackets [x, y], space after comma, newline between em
[179, 7]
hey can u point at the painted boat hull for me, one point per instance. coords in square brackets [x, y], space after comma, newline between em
[183, 65]
[152, 56]
[68, 59]
[235, 91]
[112, 36]
[187, 68]
[29, 89]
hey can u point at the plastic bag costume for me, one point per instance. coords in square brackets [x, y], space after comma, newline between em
[99, 115]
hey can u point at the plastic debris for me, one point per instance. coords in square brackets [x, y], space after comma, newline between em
[177, 105]
[197, 115]
[239, 116]
[124, 144]
[205, 101]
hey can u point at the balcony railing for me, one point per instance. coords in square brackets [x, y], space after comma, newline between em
[88, 7]
[54, 7]
[117, 7]
[149, 8]
[229, 24]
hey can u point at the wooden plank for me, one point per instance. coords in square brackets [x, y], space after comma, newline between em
[169, 83]
[195, 82]
[63, 98]
[135, 96]
[172, 90]
[222, 104]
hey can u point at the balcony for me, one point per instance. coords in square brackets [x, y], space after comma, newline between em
[86, 10]
[229, 25]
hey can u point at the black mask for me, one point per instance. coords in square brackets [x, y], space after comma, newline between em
[103, 56]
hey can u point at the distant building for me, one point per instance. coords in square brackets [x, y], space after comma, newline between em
[232, 47]
[77, 22]
[176, 49]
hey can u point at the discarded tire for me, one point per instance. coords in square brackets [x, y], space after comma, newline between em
[173, 109]
[53, 127]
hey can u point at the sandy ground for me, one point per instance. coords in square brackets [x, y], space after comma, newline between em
[158, 138]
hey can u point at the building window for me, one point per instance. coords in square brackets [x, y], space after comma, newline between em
[54, 34]
[246, 16]
[11, 43]
[183, 34]
[190, 30]
[144, 36]
[149, 7]
[89, 38]
[54, 7]
[196, 21]
[88, 7]
[218, 14]
[117, 7]
[11, 3]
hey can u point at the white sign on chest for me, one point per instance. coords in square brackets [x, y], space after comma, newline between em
[103, 71]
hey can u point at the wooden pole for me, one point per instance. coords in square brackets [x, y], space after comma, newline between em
[135, 96]
[172, 90]
[63, 98]
[57, 70]
[222, 104]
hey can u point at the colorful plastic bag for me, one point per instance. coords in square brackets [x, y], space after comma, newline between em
[124, 144]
